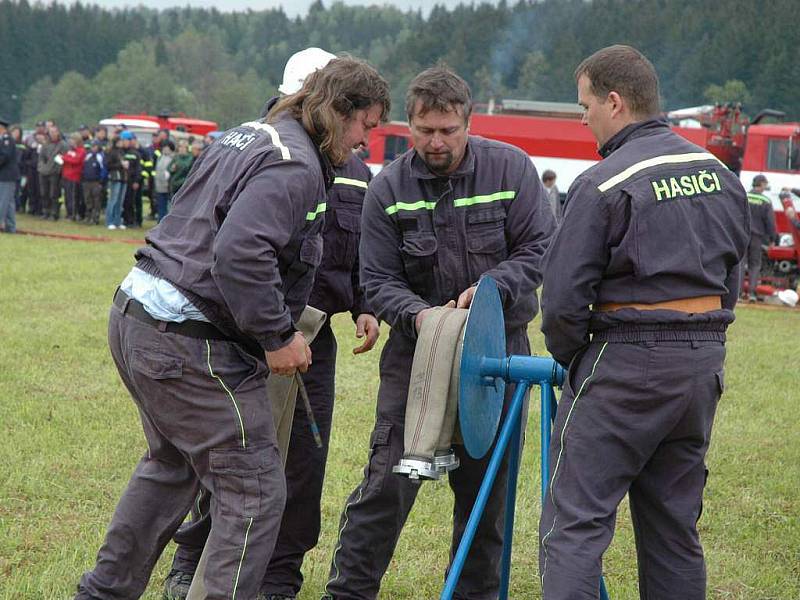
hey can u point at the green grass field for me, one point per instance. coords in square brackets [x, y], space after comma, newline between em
[71, 437]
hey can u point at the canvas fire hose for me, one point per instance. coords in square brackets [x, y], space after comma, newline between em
[458, 384]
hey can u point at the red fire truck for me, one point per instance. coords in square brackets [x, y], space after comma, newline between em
[552, 134]
[146, 126]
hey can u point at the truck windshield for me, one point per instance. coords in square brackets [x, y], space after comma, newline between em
[783, 154]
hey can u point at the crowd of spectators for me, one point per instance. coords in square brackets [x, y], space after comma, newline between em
[96, 176]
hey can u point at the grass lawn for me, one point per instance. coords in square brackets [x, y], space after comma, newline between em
[70, 437]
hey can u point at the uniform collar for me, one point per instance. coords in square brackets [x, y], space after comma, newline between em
[419, 170]
[268, 106]
[324, 162]
[630, 132]
[327, 168]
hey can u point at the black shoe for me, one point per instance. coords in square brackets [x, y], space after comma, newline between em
[176, 585]
[275, 597]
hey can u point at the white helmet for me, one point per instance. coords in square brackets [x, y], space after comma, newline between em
[300, 65]
[788, 297]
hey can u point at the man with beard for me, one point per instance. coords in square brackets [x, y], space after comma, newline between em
[208, 310]
[450, 210]
[336, 289]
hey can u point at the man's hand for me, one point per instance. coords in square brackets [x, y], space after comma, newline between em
[296, 355]
[424, 313]
[366, 325]
[135, 186]
[465, 299]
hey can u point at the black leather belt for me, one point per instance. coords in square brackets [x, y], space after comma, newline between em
[196, 329]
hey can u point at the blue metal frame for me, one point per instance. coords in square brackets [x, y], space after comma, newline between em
[483, 368]
[524, 371]
[511, 428]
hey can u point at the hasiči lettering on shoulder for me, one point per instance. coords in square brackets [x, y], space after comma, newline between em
[685, 186]
[238, 140]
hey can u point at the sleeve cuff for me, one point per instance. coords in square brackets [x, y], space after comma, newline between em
[411, 319]
[271, 343]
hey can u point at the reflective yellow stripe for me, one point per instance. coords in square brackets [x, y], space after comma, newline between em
[229, 392]
[758, 199]
[348, 181]
[273, 133]
[390, 210]
[458, 202]
[504, 195]
[241, 560]
[666, 159]
[321, 208]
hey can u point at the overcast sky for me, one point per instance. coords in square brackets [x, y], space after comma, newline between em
[290, 7]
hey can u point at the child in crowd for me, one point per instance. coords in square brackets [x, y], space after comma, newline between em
[162, 178]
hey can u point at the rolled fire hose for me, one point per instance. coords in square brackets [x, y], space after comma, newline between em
[432, 404]
[282, 390]
[282, 394]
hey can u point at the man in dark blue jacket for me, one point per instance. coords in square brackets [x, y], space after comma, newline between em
[9, 179]
[92, 174]
[452, 209]
[336, 290]
[762, 231]
[208, 310]
[639, 287]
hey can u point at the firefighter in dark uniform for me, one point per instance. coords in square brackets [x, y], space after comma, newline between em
[9, 179]
[132, 203]
[336, 290]
[640, 282]
[446, 212]
[148, 178]
[208, 309]
[762, 231]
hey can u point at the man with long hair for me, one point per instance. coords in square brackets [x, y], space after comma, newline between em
[208, 309]
[336, 289]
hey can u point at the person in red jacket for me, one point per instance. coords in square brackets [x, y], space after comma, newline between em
[71, 174]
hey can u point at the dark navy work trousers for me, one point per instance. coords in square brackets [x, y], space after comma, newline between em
[634, 418]
[204, 409]
[376, 511]
[305, 472]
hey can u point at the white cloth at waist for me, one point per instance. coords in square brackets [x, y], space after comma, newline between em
[160, 298]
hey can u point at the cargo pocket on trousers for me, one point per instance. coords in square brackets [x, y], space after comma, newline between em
[243, 478]
[720, 375]
[419, 256]
[379, 456]
[156, 365]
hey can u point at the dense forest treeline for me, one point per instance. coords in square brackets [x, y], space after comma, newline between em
[80, 63]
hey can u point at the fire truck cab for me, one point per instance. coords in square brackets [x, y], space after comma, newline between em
[774, 150]
[146, 126]
[551, 133]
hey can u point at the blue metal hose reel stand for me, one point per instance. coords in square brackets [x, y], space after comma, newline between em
[485, 370]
